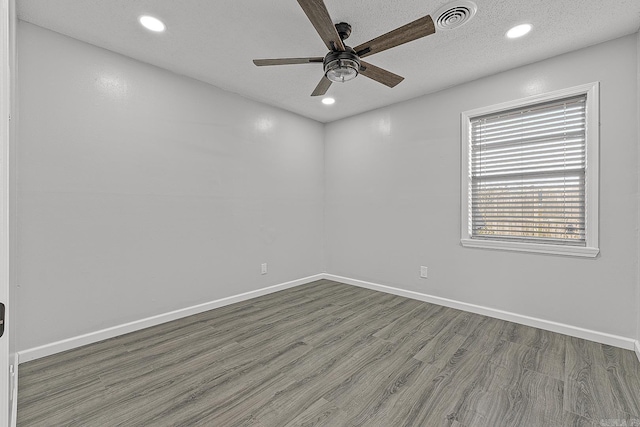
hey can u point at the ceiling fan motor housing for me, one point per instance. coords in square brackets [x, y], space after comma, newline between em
[340, 66]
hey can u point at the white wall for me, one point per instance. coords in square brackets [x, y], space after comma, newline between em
[141, 191]
[393, 199]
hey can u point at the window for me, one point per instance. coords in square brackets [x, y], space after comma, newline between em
[530, 174]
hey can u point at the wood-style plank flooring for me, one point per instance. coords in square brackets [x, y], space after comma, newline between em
[329, 354]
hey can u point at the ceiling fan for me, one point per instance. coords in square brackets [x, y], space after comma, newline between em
[344, 63]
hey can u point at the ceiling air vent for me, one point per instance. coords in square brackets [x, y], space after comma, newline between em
[455, 14]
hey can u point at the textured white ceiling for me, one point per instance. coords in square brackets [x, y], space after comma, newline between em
[215, 41]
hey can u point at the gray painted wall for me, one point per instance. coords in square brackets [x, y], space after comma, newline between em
[392, 199]
[141, 191]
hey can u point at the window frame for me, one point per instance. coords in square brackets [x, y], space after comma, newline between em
[592, 166]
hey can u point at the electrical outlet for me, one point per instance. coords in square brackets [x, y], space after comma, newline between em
[263, 268]
[423, 271]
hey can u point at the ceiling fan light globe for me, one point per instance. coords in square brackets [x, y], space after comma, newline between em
[341, 70]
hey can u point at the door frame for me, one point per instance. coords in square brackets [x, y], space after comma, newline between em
[7, 27]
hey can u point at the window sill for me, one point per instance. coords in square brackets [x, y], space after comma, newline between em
[579, 251]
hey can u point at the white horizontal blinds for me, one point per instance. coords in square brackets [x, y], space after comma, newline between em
[528, 173]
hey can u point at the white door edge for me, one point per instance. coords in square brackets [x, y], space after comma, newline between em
[6, 25]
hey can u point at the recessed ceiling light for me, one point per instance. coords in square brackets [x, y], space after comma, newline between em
[328, 101]
[519, 31]
[152, 24]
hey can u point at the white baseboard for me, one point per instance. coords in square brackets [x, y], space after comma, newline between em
[74, 342]
[92, 337]
[574, 331]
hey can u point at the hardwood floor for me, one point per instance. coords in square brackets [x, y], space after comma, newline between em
[329, 354]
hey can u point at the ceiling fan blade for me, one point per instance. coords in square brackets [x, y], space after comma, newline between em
[286, 61]
[380, 75]
[318, 14]
[414, 30]
[322, 87]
